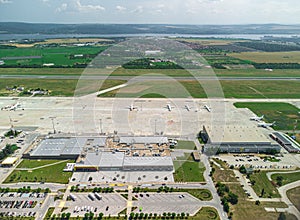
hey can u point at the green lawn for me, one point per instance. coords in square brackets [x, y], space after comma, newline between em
[35, 163]
[202, 194]
[231, 89]
[287, 177]
[206, 213]
[187, 145]
[284, 114]
[188, 171]
[262, 182]
[57, 87]
[53, 174]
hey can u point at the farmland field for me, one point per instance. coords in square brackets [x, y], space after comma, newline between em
[269, 57]
[59, 56]
[284, 114]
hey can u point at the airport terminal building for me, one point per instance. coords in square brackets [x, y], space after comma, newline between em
[97, 154]
[236, 139]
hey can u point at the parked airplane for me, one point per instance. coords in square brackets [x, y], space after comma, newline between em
[169, 107]
[266, 125]
[207, 108]
[131, 107]
[12, 107]
[256, 118]
[187, 107]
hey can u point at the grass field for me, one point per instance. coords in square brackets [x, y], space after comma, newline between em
[188, 171]
[41, 71]
[262, 182]
[57, 87]
[206, 213]
[287, 177]
[188, 145]
[269, 57]
[293, 195]
[250, 72]
[225, 175]
[35, 163]
[231, 89]
[284, 114]
[202, 194]
[247, 210]
[52, 174]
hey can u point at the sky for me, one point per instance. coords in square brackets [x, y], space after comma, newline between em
[152, 11]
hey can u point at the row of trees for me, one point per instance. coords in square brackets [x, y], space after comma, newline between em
[226, 196]
[165, 215]
[268, 47]
[25, 189]
[96, 189]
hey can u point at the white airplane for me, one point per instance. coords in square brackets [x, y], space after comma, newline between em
[12, 107]
[187, 107]
[207, 108]
[169, 107]
[266, 125]
[256, 118]
[131, 107]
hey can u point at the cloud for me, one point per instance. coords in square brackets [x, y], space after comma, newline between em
[139, 9]
[120, 8]
[88, 8]
[62, 7]
[5, 1]
[76, 6]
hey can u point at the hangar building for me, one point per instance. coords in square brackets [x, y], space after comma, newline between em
[236, 139]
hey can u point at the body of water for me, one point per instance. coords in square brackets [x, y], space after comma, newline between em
[52, 36]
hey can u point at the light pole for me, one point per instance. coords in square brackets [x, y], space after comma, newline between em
[52, 119]
[101, 130]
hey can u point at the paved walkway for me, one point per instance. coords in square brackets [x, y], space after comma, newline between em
[282, 191]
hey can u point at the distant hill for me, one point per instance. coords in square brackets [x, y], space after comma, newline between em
[34, 28]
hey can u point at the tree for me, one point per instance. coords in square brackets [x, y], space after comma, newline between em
[232, 198]
[282, 216]
[262, 192]
[226, 207]
[242, 169]
[257, 202]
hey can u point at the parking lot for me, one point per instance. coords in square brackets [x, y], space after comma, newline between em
[109, 204]
[20, 204]
[256, 162]
[122, 176]
[166, 202]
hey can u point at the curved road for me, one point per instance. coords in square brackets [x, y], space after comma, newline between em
[269, 174]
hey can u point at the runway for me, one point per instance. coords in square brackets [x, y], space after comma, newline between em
[148, 78]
